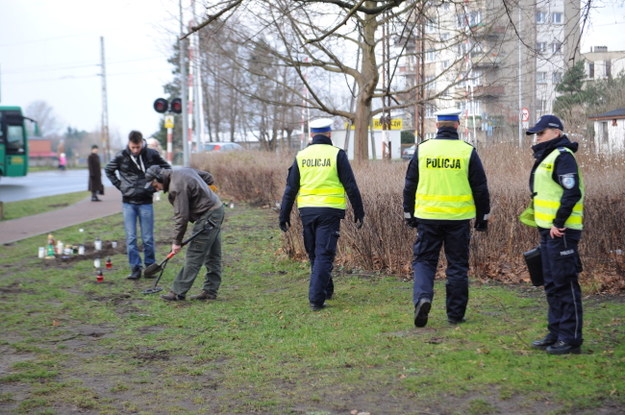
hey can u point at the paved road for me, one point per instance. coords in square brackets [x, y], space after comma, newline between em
[45, 183]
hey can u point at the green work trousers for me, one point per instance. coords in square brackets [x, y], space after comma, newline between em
[205, 250]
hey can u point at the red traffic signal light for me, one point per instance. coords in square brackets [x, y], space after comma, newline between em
[176, 106]
[160, 105]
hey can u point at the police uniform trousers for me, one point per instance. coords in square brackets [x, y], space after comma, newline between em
[455, 237]
[561, 264]
[205, 250]
[321, 234]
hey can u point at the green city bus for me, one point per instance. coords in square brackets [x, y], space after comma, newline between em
[13, 142]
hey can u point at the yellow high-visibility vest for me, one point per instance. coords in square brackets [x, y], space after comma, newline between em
[319, 179]
[548, 194]
[443, 191]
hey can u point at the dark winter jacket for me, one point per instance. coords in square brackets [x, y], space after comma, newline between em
[190, 195]
[130, 177]
[564, 165]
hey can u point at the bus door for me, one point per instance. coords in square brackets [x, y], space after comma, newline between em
[14, 144]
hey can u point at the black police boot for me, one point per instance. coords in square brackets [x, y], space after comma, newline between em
[563, 348]
[545, 342]
[317, 307]
[421, 311]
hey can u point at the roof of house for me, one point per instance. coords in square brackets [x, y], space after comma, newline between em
[610, 115]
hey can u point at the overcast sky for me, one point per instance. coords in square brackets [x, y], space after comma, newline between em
[50, 51]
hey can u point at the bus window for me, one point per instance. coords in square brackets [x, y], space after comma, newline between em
[15, 139]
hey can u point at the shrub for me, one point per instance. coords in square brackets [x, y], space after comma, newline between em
[385, 242]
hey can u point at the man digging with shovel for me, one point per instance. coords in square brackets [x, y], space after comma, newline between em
[193, 201]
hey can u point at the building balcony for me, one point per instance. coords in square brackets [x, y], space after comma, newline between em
[489, 91]
[407, 70]
[488, 32]
[485, 60]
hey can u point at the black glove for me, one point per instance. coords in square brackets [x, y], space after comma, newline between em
[359, 222]
[285, 225]
[481, 225]
[412, 222]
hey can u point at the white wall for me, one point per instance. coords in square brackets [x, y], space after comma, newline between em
[338, 139]
[609, 138]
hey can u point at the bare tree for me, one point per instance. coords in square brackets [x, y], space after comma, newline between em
[359, 44]
[43, 113]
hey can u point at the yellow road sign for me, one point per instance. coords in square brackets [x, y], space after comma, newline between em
[169, 121]
[396, 124]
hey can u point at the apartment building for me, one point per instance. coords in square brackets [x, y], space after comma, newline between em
[492, 60]
[600, 64]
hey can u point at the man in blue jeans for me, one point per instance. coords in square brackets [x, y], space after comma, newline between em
[127, 173]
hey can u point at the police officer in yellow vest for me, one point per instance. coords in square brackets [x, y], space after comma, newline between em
[445, 188]
[558, 200]
[320, 177]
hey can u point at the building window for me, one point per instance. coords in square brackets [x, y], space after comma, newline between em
[542, 105]
[557, 77]
[556, 47]
[591, 69]
[430, 55]
[475, 18]
[541, 47]
[429, 111]
[472, 19]
[556, 18]
[608, 69]
[541, 77]
[541, 17]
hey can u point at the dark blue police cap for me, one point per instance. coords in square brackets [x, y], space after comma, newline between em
[546, 121]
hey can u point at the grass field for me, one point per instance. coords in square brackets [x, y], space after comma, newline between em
[15, 210]
[69, 344]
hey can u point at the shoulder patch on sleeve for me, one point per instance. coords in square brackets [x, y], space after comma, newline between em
[567, 181]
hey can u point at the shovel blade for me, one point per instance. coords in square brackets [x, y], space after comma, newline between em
[152, 269]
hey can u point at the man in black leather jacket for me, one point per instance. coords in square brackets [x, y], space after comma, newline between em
[127, 172]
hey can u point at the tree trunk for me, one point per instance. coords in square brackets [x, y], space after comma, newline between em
[366, 85]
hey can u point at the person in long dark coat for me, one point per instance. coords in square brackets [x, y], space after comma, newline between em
[95, 174]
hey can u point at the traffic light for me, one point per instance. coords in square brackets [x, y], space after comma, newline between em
[176, 106]
[160, 105]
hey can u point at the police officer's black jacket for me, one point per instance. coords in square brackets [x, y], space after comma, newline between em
[565, 165]
[477, 180]
[346, 176]
[131, 180]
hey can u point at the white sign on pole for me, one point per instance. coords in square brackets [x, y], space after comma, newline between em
[525, 114]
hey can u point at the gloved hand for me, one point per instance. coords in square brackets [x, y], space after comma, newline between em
[285, 225]
[359, 222]
[412, 222]
[481, 225]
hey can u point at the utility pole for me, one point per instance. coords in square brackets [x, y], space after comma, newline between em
[105, 114]
[197, 91]
[183, 90]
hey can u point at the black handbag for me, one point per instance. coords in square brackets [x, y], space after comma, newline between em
[534, 266]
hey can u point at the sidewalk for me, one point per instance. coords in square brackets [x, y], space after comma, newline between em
[83, 211]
